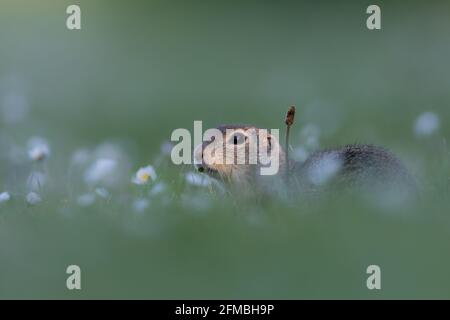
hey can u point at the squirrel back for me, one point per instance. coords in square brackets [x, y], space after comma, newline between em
[356, 167]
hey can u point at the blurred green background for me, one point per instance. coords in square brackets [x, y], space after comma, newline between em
[138, 70]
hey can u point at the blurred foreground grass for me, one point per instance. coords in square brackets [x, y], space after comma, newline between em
[136, 72]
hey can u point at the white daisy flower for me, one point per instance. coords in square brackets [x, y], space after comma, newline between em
[310, 136]
[38, 149]
[33, 198]
[200, 203]
[198, 180]
[145, 175]
[5, 197]
[139, 205]
[102, 193]
[100, 170]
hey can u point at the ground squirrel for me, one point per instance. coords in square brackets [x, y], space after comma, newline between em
[352, 167]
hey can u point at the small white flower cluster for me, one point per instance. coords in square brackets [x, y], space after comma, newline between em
[36, 180]
[105, 166]
[200, 180]
[38, 150]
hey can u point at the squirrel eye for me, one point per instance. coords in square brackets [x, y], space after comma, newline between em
[237, 138]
